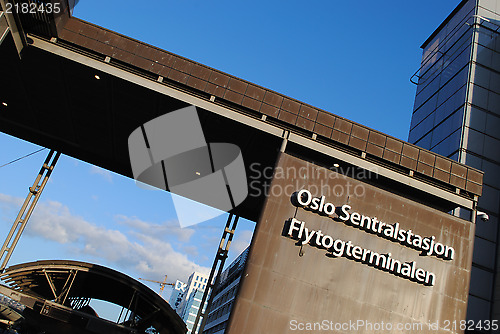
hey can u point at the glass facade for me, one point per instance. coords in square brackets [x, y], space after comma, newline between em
[224, 295]
[457, 114]
[191, 308]
[442, 87]
[187, 297]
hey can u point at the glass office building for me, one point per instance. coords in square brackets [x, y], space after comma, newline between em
[457, 114]
[224, 295]
[190, 298]
[190, 310]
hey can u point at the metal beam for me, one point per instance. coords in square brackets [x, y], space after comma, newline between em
[27, 208]
[393, 175]
[256, 123]
[4, 27]
[156, 86]
[17, 32]
[214, 278]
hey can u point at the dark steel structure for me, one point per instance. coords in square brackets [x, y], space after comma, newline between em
[57, 295]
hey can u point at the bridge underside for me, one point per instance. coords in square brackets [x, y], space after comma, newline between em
[58, 103]
[82, 90]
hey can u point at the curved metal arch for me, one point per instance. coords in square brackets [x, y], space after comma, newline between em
[50, 288]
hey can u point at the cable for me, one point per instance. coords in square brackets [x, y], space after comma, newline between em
[27, 155]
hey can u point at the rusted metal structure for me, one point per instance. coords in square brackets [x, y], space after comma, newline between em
[57, 295]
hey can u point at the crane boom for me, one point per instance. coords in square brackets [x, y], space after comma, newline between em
[162, 284]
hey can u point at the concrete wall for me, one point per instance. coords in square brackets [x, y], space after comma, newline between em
[286, 286]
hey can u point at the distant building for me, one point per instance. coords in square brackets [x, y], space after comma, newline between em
[176, 296]
[186, 298]
[190, 309]
[224, 295]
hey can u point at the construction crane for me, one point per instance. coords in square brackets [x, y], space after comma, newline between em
[162, 284]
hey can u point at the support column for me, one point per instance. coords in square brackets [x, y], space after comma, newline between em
[220, 259]
[28, 206]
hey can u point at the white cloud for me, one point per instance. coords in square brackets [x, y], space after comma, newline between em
[190, 250]
[167, 228]
[6, 201]
[140, 249]
[8, 207]
[241, 242]
[106, 174]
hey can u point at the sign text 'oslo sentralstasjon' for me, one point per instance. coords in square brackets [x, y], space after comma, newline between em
[393, 232]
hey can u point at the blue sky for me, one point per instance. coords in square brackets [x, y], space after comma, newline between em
[352, 58]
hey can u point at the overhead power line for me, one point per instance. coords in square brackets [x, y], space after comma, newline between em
[25, 156]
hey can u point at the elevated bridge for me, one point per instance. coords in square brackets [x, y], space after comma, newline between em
[50, 66]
